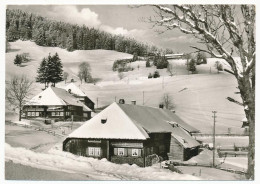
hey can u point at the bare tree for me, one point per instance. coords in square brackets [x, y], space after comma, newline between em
[65, 76]
[167, 101]
[85, 71]
[225, 31]
[17, 91]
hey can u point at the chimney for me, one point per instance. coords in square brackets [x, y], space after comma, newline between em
[161, 106]
[121, 101]
[69, 91]
[133, 102]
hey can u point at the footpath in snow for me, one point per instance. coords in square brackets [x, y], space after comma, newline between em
[58, 160]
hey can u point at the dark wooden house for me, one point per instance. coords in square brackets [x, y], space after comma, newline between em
[124, 133]
[56, 103]
[78, 93]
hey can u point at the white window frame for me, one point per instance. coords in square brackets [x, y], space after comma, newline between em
[29, 113]
[33, 113]
[61, 113]
[120, 151]
[97, 151]
[53, 114]
[91, 151]
[135, 151]
[37, 113]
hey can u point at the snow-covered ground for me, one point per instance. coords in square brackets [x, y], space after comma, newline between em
[57, 160]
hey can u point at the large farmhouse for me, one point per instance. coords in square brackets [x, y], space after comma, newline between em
[78, 93]
[133, 134]
[56, 103]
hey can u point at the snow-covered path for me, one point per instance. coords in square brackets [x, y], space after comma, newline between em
[57, 160]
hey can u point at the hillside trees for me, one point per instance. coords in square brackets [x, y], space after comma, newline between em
[225, 31]
[167, 101]
[50, 70]
[17, 92]
[46, 32]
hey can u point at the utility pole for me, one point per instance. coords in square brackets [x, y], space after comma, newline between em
[214, 134]
[143, 97]
[163, 83]
[97, 102]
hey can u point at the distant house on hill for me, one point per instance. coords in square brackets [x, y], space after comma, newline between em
[56, 103]
[133, 134]
[174, 56]
[78, 93]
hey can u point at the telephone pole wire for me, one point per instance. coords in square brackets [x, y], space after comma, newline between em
[214, 134]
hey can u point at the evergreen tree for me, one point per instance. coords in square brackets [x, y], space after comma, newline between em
[58, 71]
[42, 76]
[17, 60]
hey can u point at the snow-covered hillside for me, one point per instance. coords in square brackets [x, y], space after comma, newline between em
[195, 96]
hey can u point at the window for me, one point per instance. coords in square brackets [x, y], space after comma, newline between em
[33, 113]
[53, 114]
[36, 113]
[29, 114]
[97, 151]
[91, 151]
[120, 152]
[94, 151]
[57, 113]
[61, 114]
[135, 152]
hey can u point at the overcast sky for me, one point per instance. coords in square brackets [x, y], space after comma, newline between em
[116, 19]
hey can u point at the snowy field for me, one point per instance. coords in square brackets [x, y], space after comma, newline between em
[195, 95]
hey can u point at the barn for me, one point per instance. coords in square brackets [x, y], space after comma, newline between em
[78, 93]
[133, 134]
[56, 103]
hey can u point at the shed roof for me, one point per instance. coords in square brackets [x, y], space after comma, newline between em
[74, 89]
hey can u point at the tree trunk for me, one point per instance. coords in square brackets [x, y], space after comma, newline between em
[248, 97]
[20, 113]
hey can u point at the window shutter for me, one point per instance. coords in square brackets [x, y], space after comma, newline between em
[125, 151]
[129, 152]
[87, 151]
[115, 151]
[139, 152]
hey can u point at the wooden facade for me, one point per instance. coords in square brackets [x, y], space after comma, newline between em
[178, 152]
[56, 112]
[87, 102]
[137, 152]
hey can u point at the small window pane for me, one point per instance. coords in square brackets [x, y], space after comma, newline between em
[121, 151]
[61, 113]
[91, 151]
[36, 113]
[53, 113]
[29, 113]
[135, 152]
[97, 151]
[33, 113]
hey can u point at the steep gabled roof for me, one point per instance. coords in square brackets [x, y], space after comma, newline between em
[124, 121]
[56, 96]
[117, 126]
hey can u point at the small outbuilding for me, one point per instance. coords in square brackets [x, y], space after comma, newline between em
[133, 134]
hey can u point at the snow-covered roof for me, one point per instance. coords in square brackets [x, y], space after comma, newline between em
[74, 89]
[117, 126]
[151, 117]
[184, 138]
[244, 119]
[125, 121]
[56, 97]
